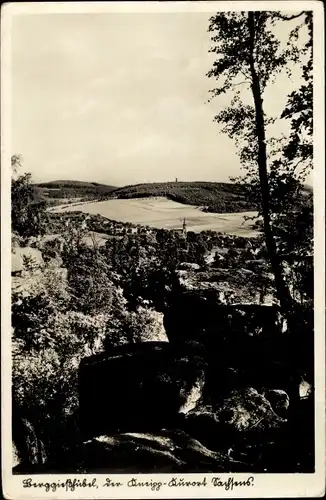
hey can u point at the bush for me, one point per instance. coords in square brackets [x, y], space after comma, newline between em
[45, 375]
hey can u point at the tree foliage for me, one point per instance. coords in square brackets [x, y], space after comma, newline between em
[28, 216]
[249, 56]
[214, 196]
[299, 107]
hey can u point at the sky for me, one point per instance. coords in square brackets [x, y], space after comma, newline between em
[120, 98]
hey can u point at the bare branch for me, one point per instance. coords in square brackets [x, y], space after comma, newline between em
[246, 75]
[298, 163]
[290, 18]
[240, 83]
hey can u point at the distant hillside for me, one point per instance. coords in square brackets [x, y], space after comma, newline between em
[214, 196]
[63, 189]
[211, 196]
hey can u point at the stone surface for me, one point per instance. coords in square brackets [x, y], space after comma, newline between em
[238, 420]
[15, 456]
[279, 401]
[27, 448]
[165, 451]
[17, 263]
[247, 409]
[153, 381]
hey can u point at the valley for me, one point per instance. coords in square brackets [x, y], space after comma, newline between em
[162, 213]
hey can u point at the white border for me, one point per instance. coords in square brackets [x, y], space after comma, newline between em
[265, 485]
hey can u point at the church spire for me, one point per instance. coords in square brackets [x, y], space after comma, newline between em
[184, 226]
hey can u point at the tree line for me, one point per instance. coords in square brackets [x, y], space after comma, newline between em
[212, 196]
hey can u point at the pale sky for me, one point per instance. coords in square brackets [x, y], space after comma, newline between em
[120, 98]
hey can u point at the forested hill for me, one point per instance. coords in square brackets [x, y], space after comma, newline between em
[72, 189]
[214, 196]
[211, 196]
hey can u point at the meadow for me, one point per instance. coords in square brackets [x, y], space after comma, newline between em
[159, 212]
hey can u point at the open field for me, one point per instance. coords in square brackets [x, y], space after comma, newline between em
[217, 197]
[160, 212]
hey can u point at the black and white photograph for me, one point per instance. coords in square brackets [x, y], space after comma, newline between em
[163, 249]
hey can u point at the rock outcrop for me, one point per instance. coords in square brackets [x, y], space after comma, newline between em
[236, 422]
[165, 451]
[279, 401]
[147, 385]
[27, 449]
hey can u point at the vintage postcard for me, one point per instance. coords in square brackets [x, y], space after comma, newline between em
[163, 256]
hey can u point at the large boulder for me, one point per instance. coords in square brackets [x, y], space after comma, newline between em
[242, 421]
[279, 401]
[246, 409]
[147, 385]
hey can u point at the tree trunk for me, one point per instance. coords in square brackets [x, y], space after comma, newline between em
[282, 290]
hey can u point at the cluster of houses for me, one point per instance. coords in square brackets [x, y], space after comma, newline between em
[91, 222]
[100, 224]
